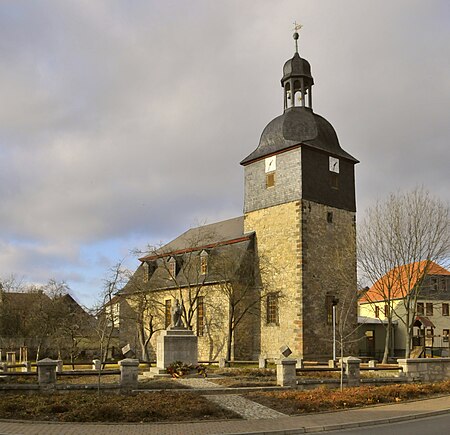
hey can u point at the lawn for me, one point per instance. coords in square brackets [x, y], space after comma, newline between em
[90, 407]
[321, 399]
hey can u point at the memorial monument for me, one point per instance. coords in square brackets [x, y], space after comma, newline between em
[176, 343]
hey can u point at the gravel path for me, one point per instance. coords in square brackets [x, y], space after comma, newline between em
[244, 407]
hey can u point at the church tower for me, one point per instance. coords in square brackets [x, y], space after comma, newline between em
[300, 201]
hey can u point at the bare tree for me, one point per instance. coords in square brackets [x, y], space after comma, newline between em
[397, 242]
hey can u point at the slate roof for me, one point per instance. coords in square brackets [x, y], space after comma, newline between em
[222, 242]
[203, 237]
[298, 126]
[397, 280]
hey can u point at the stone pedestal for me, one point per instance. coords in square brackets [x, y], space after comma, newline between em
[46, 369]
[286, 374]
[176, 344]
[262, 362]
[352, 370]
[96, 364]
[129, 370]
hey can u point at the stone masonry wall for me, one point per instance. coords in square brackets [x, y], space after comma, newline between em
[329, 265]
[279, 249]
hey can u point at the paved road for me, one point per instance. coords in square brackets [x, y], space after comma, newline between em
[438, 425]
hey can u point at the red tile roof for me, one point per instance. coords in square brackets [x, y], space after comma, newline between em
[400, 280]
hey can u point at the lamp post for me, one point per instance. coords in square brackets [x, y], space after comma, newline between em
[334, 302]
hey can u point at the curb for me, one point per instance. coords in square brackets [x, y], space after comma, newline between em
[330, 427]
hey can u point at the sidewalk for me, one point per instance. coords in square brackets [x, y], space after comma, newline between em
[273, 426]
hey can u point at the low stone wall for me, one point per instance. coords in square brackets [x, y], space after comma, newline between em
[426, 369]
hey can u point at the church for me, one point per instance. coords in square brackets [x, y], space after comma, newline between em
[271, 277]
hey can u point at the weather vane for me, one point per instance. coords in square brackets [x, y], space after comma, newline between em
[296, 28]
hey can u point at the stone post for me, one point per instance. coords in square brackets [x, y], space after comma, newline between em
[352, 370]
[262, 362]
[129, 370]
[286, 375]
[332, 363]
[46, 369]
[96, 364]
[299, 364]
[222, 363]
[59, 366]
[372, 364]
[26, 366]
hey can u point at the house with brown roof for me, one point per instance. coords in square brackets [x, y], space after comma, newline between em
[423, 289]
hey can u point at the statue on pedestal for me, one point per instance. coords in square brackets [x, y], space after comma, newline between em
[177, 311]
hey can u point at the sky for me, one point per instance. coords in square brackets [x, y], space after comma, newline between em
[123, 122]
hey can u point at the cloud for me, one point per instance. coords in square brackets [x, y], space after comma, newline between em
[126, 121]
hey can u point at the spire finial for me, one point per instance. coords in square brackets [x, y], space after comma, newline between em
[296, 36]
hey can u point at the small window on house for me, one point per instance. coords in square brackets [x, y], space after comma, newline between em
[146, 270]
[445, 334]
[272, 309]
[334, 178]
[200, 316]
[203, 264]
[434, 284]
[442, 285]
[330, 217]
[172, 267]
[420, 308]
[377, 311]
[167, 313]
[270, 179]
[429, 309]
[445, 309]
[386, 310]
[429, 332]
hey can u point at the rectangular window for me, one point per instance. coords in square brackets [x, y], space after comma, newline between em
[420, 309]
[272, 309]
[377, 311]
[203, 265]
[167, 313]
[429, 332]
[172, 268]
[329, 308]
[445, 334]
[442, 285]
[146, 269]
[429, 309]
[270, 179]
[386, 310]
[330, 217]
[434, 284]
[200, 316]
[445, 309]
[334, 180]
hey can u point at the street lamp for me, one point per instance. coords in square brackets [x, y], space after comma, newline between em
[334, 302]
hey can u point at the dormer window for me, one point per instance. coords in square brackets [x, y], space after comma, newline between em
[172, 267]
[148, 269]
[145, 269]
[203, 263]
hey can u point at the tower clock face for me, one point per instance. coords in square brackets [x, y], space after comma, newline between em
[334, 165]
[271, 163]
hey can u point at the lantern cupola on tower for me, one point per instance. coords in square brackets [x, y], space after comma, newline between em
[297, 80]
